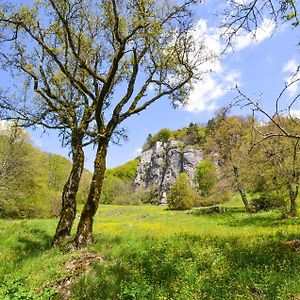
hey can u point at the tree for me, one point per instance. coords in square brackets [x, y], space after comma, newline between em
[181, 195]
[156, 38]
[54, 92]
[227, 144]
[279, 161]
[163, 135]
[126, 171]
[206, 177]
[242, 17]
[246, 17]
[16, 173]
[146, 47]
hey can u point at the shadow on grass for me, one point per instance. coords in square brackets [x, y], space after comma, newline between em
[195, 267]
[30, 242]
[271, 219]
[237, 217]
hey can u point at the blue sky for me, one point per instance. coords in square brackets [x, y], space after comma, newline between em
[257, 67]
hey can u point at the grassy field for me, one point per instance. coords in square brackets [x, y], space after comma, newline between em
[152, 253]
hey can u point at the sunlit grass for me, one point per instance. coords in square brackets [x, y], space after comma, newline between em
[154, 253]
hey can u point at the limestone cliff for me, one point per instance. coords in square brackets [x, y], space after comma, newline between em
[161, 165]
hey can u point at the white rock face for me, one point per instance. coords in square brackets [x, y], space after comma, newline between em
[161, 165]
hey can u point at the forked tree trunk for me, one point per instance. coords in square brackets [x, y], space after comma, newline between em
[68, 210]
[240, 189]
[84, 235]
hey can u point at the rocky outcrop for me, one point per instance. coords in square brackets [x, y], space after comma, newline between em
[161, 165]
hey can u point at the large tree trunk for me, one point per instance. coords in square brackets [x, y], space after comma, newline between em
[293, 196]
[68, 210]
[84, 235]
[241, 190]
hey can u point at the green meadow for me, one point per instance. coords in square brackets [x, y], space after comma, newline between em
[148, 252]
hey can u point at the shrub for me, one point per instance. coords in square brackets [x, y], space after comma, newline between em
[127, 199]
[150, 195]
[120, 192]
[206, 177]
[181, 195]
[214, 199]
[113, 187]
[269, 201]
[209, 210]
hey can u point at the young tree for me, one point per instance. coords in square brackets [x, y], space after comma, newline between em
[226, 143]
[145, 47]
[181, 195]
[278, 164]
[206, 177]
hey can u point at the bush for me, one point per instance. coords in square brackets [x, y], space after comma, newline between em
[181, 195]
[214, 199]
[209, 210]
[113, 187]
[120, 192]
[127, 199]
[269, 201]
[206, 177]
[150, 195]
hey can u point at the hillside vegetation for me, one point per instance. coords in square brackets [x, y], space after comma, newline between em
[31, 181]
[194, 134]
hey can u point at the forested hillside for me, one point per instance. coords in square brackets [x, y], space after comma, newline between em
[31, 181]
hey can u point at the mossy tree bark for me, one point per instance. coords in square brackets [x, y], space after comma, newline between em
[84, 235]
[293, 196]
[68, 210]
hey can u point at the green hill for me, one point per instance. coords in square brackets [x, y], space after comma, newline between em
[31, 181]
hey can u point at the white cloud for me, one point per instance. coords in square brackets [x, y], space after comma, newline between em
[293, 76]
[136, 152]
[205, 94]
[290, 66]
[295, 113]
[5, 125]
[256, 36]
[217, 79]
